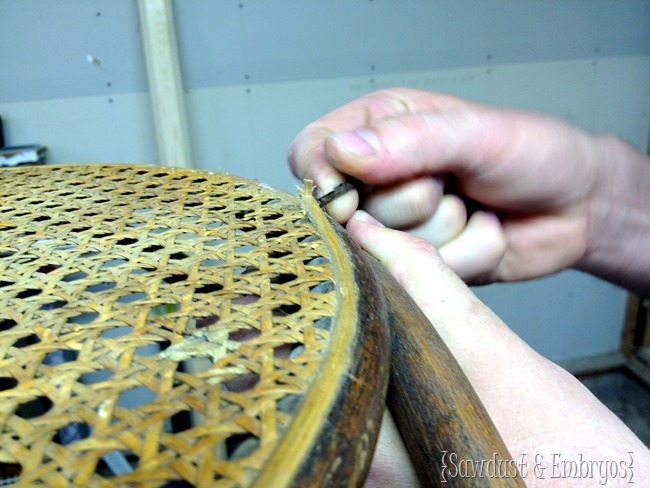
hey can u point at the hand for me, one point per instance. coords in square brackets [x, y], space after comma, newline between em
[532, 178]
[538, 408]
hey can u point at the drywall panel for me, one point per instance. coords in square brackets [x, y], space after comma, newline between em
[69, 48]
[44, 46]
[257, 41]
[86, 129]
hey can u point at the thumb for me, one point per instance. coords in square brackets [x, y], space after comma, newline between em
[413, 144]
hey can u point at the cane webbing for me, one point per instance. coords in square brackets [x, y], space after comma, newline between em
[158, 326]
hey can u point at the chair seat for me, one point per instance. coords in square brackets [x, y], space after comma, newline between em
[167, 327]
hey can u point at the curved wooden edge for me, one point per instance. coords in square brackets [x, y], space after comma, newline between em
[331, 440]
[438, 413]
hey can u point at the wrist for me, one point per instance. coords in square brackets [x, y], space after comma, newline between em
[618, 228]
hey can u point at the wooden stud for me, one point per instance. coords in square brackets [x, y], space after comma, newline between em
[165, 83]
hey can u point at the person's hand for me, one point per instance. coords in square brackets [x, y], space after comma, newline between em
[540, 410]
[531, 178]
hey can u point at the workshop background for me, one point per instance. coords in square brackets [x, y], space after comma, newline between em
[73, 77]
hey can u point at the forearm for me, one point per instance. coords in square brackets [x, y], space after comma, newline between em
[619, 219]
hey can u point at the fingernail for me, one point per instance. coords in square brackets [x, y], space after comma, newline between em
[367, 218]
[358, 142]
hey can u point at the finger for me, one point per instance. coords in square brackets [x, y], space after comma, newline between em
[419, 268]
[307, 149]
[447, 222]
[405, 204]
[402, 147]
[391, 464]
[475, 254]
[307, 160]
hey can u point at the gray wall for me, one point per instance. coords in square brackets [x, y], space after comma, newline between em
[256, 71]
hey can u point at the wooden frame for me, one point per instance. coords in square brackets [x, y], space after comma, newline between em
[165, 82]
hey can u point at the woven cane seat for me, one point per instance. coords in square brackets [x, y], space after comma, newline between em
[166, 327]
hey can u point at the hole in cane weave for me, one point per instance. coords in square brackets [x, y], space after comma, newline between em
[276, 233]
[179, 256]
[116, 463]
[135, 397]
[283, 278]
[323, 287]
[64, 247]
[272, 216]
[83, 318]
[89, 254]
[139, 271]
[308, 238]
[209, 288]
[7, 383]
[116, 332]
[214, 224]
[245, 270]
[212, 262]
[242, 213]
[245, 299]
[26, 341]
[6, 324]
[165, 308]
[73, 432]
[324, 323]
[6, 283]
[80, 229]
[99, 287]
[30, 292]
[241, 445]
[175, 278]
[10, 473]
[291, 350]
[206, 321]
[132, 297]
[60, 356]
[34, 408]
[243, 335]
[180, 421]
[215, 242]
[160, 230]
[127, 241]
[318, 261]
[243, 382]
[78, 275]
[286, 309]
[95, 377]
[278, 254]
[289, 403]
[151, 349]
[54, 305]
[244, 249]
[114, 262]
[153, 248]
[7, 227]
